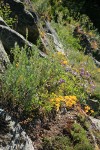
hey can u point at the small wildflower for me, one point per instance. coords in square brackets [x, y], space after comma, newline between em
[64, 62]
[87, 74]
[57, 106]
[82, 72]
[42, 34]
[17, 64]
[60, 53]
[61, 81]
[87, 109]
[92, 111]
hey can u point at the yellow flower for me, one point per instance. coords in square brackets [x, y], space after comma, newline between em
[70, 101]
[74, 98]
[51, 100]
[64, 62]
[60, 53]
[86, 111]
[17, 64]
[57, 99]
[57, 106]
[92, 111]
[74, 102]
[66, 97]
[42, 34]
[87, 108]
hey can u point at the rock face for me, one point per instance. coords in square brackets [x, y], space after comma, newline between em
[9, 37]
[26, 20]
[2, 22]
[96, 123]
[4, 60]
[12, 136]
[52, 32]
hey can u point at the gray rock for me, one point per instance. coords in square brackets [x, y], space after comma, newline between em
[96, 122]
[96, 62]
[2, 22]
[14, 138]
[58, 45]
[4, 60]
[9, 37]
[26, 20]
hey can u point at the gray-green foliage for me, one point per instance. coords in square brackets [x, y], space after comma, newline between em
[80, 138]
[57, 143]
[24, 82]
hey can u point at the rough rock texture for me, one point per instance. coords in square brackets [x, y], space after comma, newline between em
[89, 44]
[2, 22]
[12, 136]
[4, 60]
[96, 123]
[52, 32]
[48, 34]
[26, 20]
[9, 37]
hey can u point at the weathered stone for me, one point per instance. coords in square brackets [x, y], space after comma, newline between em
[4, 60]
[2, 22]
[15, 5]
[26, 20]
[9, 37]
[14, 137]
[50, 31]
[96, 122]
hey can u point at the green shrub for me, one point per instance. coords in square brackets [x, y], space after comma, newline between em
[83, 146]
[80, 138]
[57, 143]
[31, 80]
[26, 80]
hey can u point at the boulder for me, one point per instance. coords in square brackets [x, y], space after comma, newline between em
[12, 136]
[9, 38]
[26, 20]
[4, 60]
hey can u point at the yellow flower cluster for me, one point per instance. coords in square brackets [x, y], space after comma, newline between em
[69, 101]
[61, 56]
[88, 109]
